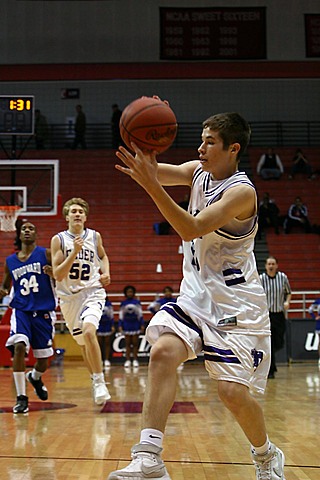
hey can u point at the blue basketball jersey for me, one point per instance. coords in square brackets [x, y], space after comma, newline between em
[33, 289]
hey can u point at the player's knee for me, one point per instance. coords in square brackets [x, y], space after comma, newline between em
[20, 349]
[165, 356]
[89, 333]
[231, 393]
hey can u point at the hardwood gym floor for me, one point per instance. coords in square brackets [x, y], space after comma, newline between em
[68, 438]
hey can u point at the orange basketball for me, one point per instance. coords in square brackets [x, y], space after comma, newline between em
[149, 123]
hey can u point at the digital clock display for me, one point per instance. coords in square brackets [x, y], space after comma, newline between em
[16, 115]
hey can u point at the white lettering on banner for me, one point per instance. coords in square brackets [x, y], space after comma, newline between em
[120, 347]
[312, 341]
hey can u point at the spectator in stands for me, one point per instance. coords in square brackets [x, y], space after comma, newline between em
[115, 128]
[41, 130]
[131, 324]
[155, 306]
[270, 166]
[314, 311]
[80, 129]
[268, 215]
[278, 291]
[297, 217]
[300, 164]
[105, 331]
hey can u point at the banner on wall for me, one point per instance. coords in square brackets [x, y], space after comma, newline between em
[301, 344]
[222, 33]
[312, 32]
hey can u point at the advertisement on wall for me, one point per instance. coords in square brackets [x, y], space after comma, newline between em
[301, 344]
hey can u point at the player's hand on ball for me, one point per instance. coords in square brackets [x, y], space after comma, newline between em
[142, 167]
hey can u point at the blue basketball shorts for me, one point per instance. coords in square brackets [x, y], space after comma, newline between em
[35, 329]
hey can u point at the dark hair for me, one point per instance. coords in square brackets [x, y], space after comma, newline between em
[168, 288]
[232, 128]
[271, 257]
[129, 287]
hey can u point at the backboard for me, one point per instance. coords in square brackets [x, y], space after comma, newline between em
[31, 184]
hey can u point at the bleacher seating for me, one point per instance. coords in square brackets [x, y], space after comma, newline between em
[297, 253]
[122, 212]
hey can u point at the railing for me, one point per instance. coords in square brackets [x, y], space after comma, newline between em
[302, 300]
[98, 135]
[300, 303]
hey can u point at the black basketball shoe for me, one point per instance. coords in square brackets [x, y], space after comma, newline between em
[39, 388]
[22, 404]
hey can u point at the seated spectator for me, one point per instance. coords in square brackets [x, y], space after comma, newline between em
[297, 216]
[268, 215]
[158, 302]
[300, 164]
[270, 166]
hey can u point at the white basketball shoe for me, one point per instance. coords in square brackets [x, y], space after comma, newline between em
[146, 463]
[269, 466]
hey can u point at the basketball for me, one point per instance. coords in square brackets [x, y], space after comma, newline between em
[149, 123]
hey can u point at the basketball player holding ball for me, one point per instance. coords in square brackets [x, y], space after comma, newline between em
[222, 309]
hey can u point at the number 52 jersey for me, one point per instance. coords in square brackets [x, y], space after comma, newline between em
[85, 271]
[33, 289]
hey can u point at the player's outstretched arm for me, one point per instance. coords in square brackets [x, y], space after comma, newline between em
[238, 202]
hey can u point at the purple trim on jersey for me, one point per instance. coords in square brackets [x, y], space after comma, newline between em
[230, 271]
[220, 189]
[206, 182]
[85, 233]
[175, 311]
[220, 355]
[232, 236]
[198, 171]
[61, 241]
[235, 281]
[76, 332]
[95, 242]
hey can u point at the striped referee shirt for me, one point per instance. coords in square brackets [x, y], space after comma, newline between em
[276, 288]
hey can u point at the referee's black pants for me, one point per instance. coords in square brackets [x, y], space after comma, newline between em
[278, 330]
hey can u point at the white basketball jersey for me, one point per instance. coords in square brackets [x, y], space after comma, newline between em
[85, 271]
[221, 285]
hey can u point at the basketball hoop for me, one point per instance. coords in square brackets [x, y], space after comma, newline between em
[8, 217]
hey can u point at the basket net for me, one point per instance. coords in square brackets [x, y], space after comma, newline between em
[8, 217]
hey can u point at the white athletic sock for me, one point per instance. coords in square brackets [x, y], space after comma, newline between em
[150, 435]
[263, 449]
[20, 383]
[98, 377]
[36, 375]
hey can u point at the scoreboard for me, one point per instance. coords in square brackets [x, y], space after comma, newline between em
[16, 115]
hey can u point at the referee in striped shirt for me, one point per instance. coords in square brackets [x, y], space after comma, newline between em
[278, 291]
